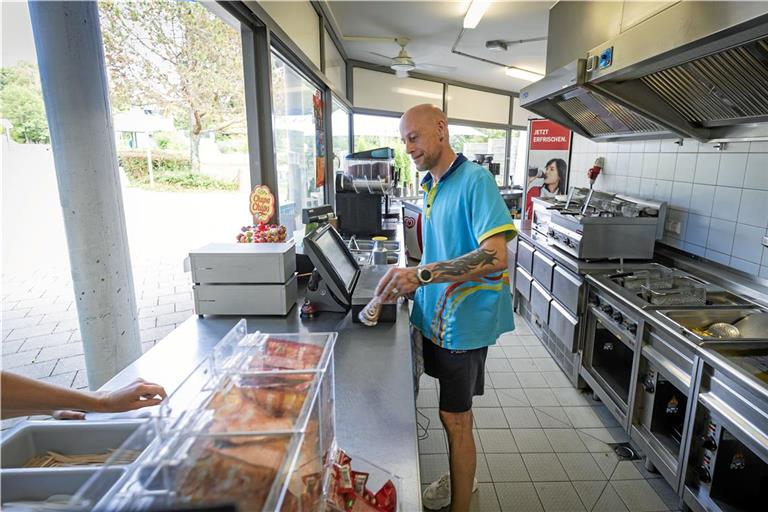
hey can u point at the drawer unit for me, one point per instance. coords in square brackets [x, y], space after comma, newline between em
[564, 326]
[252, 299]
[243, 263]
[525, 255]
[523, 282]
[567, 288]
[540, 300]
[543, 269]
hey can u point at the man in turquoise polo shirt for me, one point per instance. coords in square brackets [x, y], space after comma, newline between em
[462, 300]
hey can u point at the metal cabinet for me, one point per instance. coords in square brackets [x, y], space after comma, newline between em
[525, 255]
[540, 301]
[567, 288]
[523, 282]
[543, 269]
[565, 326]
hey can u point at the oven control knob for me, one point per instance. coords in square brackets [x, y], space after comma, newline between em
[709, 444]
[607, 309]
[704, 476]
[632, 328]
[618, 317]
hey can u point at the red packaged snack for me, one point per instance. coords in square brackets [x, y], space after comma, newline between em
[343, 476]
[369, 497]
[342, 458]
[359, 479]
[386, 498]
[361, 505]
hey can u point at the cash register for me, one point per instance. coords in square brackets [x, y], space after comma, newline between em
[338, 283]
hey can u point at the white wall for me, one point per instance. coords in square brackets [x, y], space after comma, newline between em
[300, 21]
[718, 200]
[473, 105]
[383, 91]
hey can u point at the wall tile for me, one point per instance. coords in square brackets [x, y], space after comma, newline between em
[673, 242]
[686, 167]
[732, 169]
[764, 271]
[756, 176]
[754, 208]
[636, 147]
[744, 266]
[635, 165]
[674, 216]
[694, 249]
[758, 146]
[747, 243]
[663, 190]
[647, 188]
[726, 204]
[669, 146]
[652, 146]
[736, 147]
[620, 184]
[717, 257]
[650, 165]
[681, 195]
[701, 199]
[667, 162]
[720, 237]
[633, 186]
[697, 229]
[610, 162]
[706, 169]
[689, 146]
[622, 164]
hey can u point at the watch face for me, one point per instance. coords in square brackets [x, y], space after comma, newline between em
[425, 275]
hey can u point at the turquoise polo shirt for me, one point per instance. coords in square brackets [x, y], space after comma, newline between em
[460, 211]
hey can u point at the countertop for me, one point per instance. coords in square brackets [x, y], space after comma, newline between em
[375, 404]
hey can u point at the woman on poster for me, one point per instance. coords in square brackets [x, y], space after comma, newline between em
[550, 184]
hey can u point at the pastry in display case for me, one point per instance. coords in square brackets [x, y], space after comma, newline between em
[252, 427]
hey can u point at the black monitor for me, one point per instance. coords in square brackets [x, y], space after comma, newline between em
[333, 261]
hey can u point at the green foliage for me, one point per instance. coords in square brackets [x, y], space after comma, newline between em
[21, 103]
[176, 55]
[171, 172]
[403, 164]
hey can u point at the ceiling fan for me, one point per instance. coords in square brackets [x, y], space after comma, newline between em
[402, 63]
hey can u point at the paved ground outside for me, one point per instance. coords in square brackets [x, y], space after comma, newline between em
[40, 334]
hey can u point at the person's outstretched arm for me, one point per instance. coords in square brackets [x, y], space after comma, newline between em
[22, 396]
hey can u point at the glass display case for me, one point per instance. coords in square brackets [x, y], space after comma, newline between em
[250, 427]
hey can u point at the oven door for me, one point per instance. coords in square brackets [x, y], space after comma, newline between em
[728, 463]
[609, 357]
[662, 406]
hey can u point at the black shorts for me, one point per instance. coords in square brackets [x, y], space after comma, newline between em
[461, 374]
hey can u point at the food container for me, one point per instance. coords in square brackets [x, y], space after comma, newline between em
[42, 489]
[251, 425]
[377, 478]
[70, 438]
[677, 291]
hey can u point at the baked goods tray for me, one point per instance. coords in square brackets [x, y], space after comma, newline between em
[250, 427]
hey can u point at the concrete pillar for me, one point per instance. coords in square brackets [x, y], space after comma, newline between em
[70, 55]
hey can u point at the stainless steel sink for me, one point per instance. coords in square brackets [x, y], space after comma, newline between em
[361, 250]
[367, 245]
[752, 322]
[725, 298]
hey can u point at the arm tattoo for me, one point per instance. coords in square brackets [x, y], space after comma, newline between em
[467, 264]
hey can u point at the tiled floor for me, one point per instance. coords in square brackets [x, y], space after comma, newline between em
[542, 445]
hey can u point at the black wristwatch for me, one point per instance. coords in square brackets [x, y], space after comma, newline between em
[424, 275]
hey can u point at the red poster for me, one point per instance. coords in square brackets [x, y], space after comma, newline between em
[548, 135]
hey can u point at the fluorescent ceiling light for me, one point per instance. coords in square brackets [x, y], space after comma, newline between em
[475, 12]
[524, 74]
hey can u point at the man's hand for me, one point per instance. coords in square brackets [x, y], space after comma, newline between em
[134, 396]
[396, 283]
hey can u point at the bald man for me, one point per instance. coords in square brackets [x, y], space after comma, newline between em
[462, 300]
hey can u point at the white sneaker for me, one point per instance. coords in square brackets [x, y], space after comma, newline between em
[437, 495]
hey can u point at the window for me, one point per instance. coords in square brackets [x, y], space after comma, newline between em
[335, 67]
[384, 132]
[518, 155]
[473, 141]
[294, 127]
[340, 130]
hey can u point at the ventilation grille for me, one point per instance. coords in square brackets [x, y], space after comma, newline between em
[600, 116]
[728, 86]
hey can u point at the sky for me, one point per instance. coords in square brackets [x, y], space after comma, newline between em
[17, 41]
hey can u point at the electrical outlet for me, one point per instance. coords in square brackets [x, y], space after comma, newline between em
[674, 227]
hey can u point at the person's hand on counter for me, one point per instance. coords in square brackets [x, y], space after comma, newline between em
[22, 396]
[397, 282]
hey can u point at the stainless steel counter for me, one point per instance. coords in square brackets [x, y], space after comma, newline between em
[375, 406]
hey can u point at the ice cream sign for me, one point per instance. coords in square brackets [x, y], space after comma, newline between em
[262, 204]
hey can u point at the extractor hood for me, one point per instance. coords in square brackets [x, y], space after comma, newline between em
[693, 69]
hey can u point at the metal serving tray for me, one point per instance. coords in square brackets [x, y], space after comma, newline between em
[22, 488]
[694, 322]
[33, 438]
